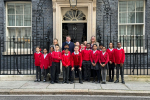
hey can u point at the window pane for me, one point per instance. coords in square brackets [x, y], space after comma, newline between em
[131, 5]
[130, 41]
[139, 17]
[19, 20]
[23, 32]
[11, 20]
[19, 8]
[11, 32]
[130, 30]
[122, 6]
[139, 30]
[139, 5]
[27, 8]
[27, 20]
[123, 17]
[122, 30]
[11, 9]
[131, 17]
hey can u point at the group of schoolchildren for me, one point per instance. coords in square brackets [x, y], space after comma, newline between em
[85, 59]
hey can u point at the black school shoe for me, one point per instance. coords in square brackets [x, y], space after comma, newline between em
[52, 82]
[81, 82]
[71, 82]
[44, 80]
[93, 81]
[123, 82]
[36, 80]
[39, 80]
[110, 80]
[117, 81]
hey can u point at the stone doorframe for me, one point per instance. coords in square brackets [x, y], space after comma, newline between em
[57, 17]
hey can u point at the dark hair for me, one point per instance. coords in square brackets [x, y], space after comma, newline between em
[88, 43]
[52, 47]
[66, 48]
[94, 44]
[112, 44]
[101, 45]
[83, 43]
[56, 45]
[118, 42]
[44, 48]
[104, 47]
[38, 47]
[66, 45]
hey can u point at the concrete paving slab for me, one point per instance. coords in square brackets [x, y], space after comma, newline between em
[138, 85]
[35, 85]
[86, 85]
[11, 84]
[114, 86]
[61, 86]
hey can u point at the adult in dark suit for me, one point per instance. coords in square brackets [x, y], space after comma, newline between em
[71, 49]
[71, 44]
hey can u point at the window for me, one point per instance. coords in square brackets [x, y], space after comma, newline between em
[18, 25]
[131, 22]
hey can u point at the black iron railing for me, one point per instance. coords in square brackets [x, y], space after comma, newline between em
[16, 55]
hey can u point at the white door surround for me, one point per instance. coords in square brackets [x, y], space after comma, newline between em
[90, 5]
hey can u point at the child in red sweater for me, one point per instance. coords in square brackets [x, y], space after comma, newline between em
[119, 56]
[44, 63]
[82, 47]
[66, 63]
[76, 64]
[103, 60]
[86, 63]
[37, 57]
[56, 57]
[111, 63]
[94, 60]
[66, 46]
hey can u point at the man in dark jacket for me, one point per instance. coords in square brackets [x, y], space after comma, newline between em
[71, 44]
[71, 49]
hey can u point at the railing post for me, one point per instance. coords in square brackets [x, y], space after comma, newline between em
[0, 55]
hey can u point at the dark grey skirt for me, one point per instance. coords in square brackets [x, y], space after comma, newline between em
[106, 67]
[97, 67]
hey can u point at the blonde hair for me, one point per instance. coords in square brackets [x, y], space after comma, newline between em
[56, 40]
[94, 37]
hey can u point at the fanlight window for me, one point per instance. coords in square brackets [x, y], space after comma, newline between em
[74, 15]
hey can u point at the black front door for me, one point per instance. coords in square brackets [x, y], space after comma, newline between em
[77, 31]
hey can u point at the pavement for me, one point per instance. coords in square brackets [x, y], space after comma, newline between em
[130, 88]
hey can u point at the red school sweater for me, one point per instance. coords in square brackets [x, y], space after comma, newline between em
[76, 59]
[86, 54]
[44, 61]
[56, 56]
[37, 57]
[94, 56]
[111, 54]
[103, 58]
[119, 56]
[66, 60]
[63, 52]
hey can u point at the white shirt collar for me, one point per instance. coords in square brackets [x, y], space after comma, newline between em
[76, 53]
[94, 51]
[88, 49]
[103, 53]
[66, 54]
[111, 49]
[119, 48]
[37, 52]
[45, 56]
[51, 52]
[56, 51]
[100, 50]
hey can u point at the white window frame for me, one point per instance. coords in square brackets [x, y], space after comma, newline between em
[133, 49]
[17, 50]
